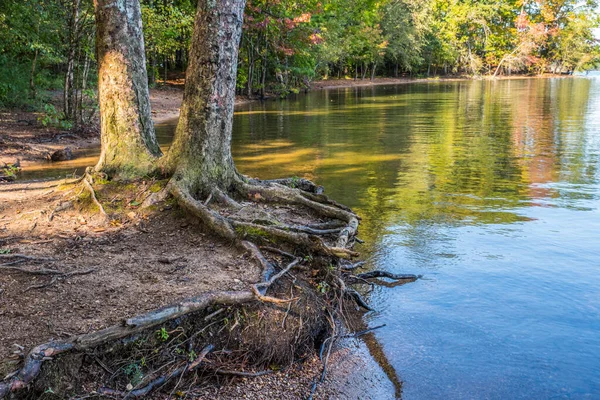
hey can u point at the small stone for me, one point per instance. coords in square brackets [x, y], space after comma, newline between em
[62, 155]
[129, 387]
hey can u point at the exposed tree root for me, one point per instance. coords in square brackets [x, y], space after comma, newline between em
[161, 380]
[385, 274]
[58, 276]
[24, 257]
[87, 182]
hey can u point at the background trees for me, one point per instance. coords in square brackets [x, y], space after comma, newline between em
[48, 44]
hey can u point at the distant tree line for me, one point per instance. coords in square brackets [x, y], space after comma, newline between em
[50, 44]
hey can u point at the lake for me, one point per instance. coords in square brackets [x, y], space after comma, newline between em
[490, 190]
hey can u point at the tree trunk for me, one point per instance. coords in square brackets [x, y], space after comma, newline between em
[69, 90]
[373, 68]
[201, 151]
[166, 70]
[32, 91]
[86, 70]
[129, 146]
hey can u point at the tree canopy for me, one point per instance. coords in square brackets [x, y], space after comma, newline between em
[48, 44]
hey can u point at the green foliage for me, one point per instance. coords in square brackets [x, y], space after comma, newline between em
[323, 287]
[286, 44]
[134, 373]
[54, 118]
[162, 334]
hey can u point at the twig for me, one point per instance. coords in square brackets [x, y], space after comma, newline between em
[242, 373]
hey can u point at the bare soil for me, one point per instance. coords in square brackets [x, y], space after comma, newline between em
[140, 263]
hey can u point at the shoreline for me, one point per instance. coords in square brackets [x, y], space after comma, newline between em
[23, 138]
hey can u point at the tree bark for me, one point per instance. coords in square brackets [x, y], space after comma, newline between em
[129, 146]
[69, 90]
[32, 91]
[201, 152]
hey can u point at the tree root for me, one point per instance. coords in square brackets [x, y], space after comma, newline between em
[161, 380]
[63, 275]
[86, 180]
[344, 225]
[385, 274]
[24, 257]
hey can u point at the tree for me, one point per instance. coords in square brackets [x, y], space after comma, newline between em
[129, 145]
[200, 157]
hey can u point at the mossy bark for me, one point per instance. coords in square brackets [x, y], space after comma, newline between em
[129, 145]
[200, 156]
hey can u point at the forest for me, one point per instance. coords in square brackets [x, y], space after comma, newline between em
[286, 45]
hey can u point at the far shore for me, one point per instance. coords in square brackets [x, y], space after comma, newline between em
[23, 138]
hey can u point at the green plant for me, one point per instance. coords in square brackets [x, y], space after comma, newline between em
[162, 334]
[5, 251]
[323, 287]
[134, 373]
[192, 355]
[54, 118]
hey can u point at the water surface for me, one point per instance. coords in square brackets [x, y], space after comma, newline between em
[491, 191]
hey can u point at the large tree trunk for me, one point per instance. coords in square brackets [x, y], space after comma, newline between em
[201, 151]
[129, 146]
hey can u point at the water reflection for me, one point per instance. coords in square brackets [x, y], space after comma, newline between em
[489, 189]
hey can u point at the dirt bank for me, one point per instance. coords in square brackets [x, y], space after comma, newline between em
[68, 273]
